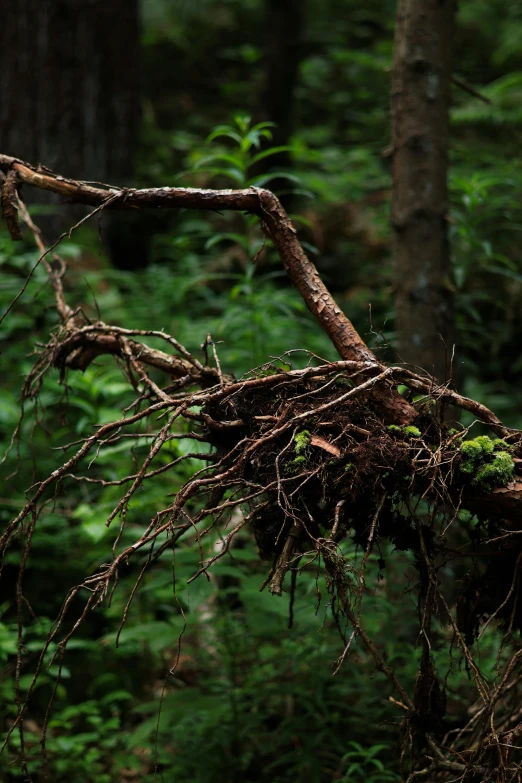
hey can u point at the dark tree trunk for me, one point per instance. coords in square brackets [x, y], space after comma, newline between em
[284, 25]
[69, 80]
[420, 133]
[70, 86]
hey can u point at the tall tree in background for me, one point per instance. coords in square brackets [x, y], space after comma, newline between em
[69, 76]
[284, 26]
[70, 85]
[420, 134]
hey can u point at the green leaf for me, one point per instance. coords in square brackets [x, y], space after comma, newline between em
[239, 239]
[235, 174]
[235, 160]
[266, 178]
[224, 131]
[271, 151]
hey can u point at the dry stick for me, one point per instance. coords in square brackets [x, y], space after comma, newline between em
[133, 593]
[122, 505]
[162, 336]
[57, 625]
[367, 553]
[142, 374]
[228, 540]
[441, 763]
[150, 474]
[62, 646]
[284, 559]
[64, 311]
[10, 186]
[506, 599]
[414, 381]
[488, 708]
[150, 356]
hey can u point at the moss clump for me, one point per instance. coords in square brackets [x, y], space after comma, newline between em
[499, 443]
[301, 441]
[489, 467]
[473, 454]
[496, 473]
[409, 431]
[486, 444]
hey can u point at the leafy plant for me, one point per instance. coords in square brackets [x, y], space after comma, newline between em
[236, 163]
[362, 764]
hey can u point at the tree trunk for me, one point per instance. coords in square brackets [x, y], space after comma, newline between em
[70, 86]
[420, 132]
[69, 77]
[284, 25]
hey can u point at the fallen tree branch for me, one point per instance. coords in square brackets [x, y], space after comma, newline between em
[80, 345]
[289, 471]
[278, 227]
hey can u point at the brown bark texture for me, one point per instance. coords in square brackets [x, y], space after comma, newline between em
[420, 136]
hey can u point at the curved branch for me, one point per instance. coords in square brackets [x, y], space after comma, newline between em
[82, 345]
[278, 227]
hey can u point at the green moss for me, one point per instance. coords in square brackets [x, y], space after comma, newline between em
[473, 454]
[496, 473]
[299, 460]
[301, 441]
[467, 466]
[348, 466]
[476, 451]
[489, 467]
[485, 443]
[499, 443]
[409, 431]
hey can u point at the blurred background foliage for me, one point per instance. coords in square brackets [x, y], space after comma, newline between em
[247, 698]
